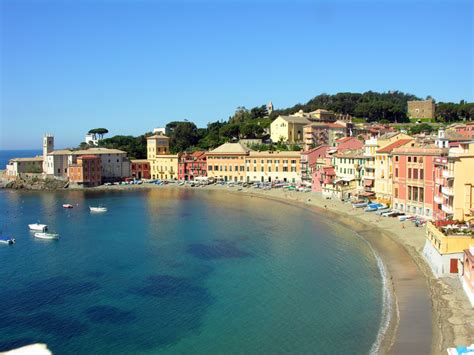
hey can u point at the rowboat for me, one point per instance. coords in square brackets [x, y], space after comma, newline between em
[359, 204]
[98, 209]
[67, 205]
[38, 227]
[47, 235]
[7, 240]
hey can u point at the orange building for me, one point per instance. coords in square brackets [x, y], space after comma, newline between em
[86, 171]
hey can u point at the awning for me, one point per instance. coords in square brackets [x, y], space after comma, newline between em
[366, 193]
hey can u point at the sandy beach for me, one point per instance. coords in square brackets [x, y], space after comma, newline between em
[428, 314]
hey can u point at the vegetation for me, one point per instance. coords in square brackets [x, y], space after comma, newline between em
[253, 123]
[134, 146]
[99, 131]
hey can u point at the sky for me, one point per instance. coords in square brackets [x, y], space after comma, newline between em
[130, 66]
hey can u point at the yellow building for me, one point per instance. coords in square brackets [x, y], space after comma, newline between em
[227, 162]
[444, 247]
[460, 179]
[288, 128]
[269, 166]
[163, 165]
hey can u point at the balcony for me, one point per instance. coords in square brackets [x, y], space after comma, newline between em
[448, 174]
[438, 199]
[447, 209]
[448, 191]
[439, 181]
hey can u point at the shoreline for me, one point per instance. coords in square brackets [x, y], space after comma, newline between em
[428, 315]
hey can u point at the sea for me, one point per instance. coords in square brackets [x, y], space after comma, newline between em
[176, 271]
[6, 155]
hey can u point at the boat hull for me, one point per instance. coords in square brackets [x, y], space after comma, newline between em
[38, 227]
[46, 236]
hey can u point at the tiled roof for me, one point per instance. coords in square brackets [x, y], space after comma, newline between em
[295, 119]
[97, 151]
[61, 152]
[26, 159]
[158, 136]
[230, 148]
[390, 147]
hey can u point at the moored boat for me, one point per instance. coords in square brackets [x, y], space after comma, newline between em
[47, 235]
[98, 209]
[7, 240]
[38, 227]
[359, 204]
[67, 205]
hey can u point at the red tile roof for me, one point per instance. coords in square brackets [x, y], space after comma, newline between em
[390, 147]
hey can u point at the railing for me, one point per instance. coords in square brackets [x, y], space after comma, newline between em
[447, 191]
[448, 174]
[438, 199]
[447, 209]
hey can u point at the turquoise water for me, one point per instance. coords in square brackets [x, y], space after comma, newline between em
[183, 271]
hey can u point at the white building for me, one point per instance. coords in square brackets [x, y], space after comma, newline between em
[159, 130]
[17, 166]
[114, 162]
[91, 139]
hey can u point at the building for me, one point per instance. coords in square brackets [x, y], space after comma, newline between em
[319, 133]
[192, 165]
[115, 165]
[86, 171]
[91, 139]
[323, 115]
[468, 273]
[163, 165]
[444, 247]
[421, 109]
[349, 166]
[413, 179]
[454, 193]
[17, 166]
[271, 166]
[288, 129]
[140, 169]
[227, 162]
[309, 159]
[159, 130]
[383, 187]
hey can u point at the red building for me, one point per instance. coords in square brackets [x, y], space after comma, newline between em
[141, 169]
[414, 179]
[348, 143]
[86, 171]
[191, 165]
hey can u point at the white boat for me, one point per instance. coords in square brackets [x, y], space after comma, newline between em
[38, 227]
[7, 240]
[98, 209]
[47, 235]
[67, 205]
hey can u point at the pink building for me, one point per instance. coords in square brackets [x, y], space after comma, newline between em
[468, 273]
[323, 176]
[192, 165]
[414, 179]
[309, 159]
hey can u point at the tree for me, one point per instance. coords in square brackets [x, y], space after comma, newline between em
[182, 135]
[99, 131]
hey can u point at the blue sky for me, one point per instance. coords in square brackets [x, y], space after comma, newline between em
[129, 66]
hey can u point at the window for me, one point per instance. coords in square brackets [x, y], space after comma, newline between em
[409, 173]
[409, 192]
[421, 174]
[396, 157]
[409, 159]
[421, 194]
[396, 172]
[285, 169]
[414, 159]
[293, 162]
[415, 173]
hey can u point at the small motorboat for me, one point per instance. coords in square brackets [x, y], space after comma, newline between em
[47, 235]
[38, 227]
[359, 204]
[68, 205]
[98, 209]
[7, 240]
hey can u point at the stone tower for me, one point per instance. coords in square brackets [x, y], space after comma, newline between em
[269, 108]
[48, 147]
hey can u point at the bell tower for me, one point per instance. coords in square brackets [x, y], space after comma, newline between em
[48, 147]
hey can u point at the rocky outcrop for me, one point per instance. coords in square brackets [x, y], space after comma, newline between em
[36, 183]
